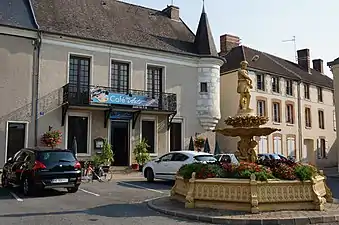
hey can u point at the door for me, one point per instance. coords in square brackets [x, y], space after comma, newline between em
[175, 137]
[162, 168]
[78, 129]
[120, 142]
[16, 138]
[154, 83]
[177, 161]
[79, 75]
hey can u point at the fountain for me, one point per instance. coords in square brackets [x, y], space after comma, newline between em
[249, 195]
[245, 124]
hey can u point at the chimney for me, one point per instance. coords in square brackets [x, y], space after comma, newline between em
[318, 65]
[304, 59]
[172, 12]
[227, 42]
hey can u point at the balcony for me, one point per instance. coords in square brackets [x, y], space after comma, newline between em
[114, 99]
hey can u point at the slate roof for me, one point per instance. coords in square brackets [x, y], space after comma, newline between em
[16, 13]
[204, 41]
[115, 22]
[273, 64]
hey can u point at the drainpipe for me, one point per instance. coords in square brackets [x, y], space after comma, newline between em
[300, 128]
[35, 97]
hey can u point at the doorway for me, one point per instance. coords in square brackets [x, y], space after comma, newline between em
[77, 127]
[16, 137]
[120, 142]
[176, 137]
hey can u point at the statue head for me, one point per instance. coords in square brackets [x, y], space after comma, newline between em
[253, 144]
[243, 65]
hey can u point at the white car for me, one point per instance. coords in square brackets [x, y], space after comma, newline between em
[166, 166]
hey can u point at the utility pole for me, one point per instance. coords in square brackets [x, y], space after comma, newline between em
[295, 46]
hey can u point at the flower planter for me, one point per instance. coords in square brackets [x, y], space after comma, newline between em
[135, 166]
[250, 195]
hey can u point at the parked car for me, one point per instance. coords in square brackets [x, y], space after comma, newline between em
[270, 156]
[34, 169]
[227, 158]
[167, 165]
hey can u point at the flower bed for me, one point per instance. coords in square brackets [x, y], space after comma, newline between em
[270, 185]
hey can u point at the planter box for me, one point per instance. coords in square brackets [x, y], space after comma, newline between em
[250, 195]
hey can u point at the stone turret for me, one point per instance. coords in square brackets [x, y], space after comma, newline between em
[208, 85]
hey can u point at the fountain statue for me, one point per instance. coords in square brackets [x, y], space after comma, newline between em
[245, 124]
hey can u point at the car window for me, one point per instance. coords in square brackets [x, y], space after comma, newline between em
[179, 157]
[166, 158]
[205, 158]
[55, 156]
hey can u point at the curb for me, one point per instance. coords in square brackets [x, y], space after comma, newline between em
[230, 221]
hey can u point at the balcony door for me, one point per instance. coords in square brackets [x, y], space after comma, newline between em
[79, 75]
[154, 81]
[119, 77]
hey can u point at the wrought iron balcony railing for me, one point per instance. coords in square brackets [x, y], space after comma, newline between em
[84, 95]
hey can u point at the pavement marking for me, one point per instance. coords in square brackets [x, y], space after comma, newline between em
[151, 199]
[16, 197]
[141, 187]
[88, 192]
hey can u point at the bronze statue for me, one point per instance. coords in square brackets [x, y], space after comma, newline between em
[244, 86]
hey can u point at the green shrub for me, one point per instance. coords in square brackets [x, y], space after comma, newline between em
[305, 172]
[202, 171]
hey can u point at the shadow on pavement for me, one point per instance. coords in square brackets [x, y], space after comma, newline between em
[158, 185]
[4, 194]
[41, 194]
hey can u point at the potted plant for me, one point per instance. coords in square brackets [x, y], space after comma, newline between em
[141, 153]
[107, 156]
[199, 143]
[51, 138]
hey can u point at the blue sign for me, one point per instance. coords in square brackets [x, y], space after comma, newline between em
[99, 95]
[121, 115]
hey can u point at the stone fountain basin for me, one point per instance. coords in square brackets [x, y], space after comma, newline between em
[246, 131]
[250, 195]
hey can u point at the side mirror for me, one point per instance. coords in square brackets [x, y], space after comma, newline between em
[157, 160]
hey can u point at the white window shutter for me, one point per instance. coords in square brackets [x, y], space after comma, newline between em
[318, 149]
[326, 149]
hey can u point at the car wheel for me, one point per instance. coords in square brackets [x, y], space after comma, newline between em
[149, 175]
[73, 189]
[27, 187]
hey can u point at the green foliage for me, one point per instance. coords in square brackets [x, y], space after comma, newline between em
[202, 171]
[305, 172]
[106, 158]
[141, 152]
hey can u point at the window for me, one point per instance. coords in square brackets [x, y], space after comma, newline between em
[277, 145]
[289, 114]
[179, 157]
[119, 77]
[308, 121]
[320, 94]
[203, 87]
[276, 112]
[261, 82]
[322, 148]
[289, 87]
[148, 133]
[154, 81]
[306, 91]
[79, 72]
[261, 108]
[77, 129]
[291, 147]
[166, 158]
[334, 121]
[262, 145]
[321, 119]
[275, 84]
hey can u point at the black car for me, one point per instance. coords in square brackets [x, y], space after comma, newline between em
[34, 169]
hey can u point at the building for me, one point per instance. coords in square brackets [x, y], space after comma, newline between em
[334, 66]
[18, 52]
[109, 69]
[297, 99]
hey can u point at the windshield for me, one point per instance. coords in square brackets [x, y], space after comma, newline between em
[55, 156]
[205, 158]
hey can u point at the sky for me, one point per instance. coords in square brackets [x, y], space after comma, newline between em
[265, 24]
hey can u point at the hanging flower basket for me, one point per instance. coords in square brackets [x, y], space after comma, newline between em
[51, 138]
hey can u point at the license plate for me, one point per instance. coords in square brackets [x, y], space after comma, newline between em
[58, 181]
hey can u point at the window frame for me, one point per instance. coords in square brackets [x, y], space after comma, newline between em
[119, 75]
[306, 91]
[275, 84]
[289, 115]
[320, 94]
[289, 87]
[261, 82]
[279, 111]
[308, 124]
[321, 119]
